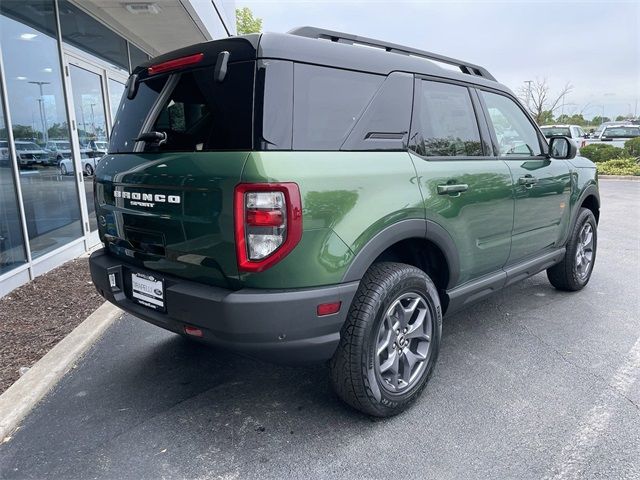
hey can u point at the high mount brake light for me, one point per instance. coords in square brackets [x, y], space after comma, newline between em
[175, 63]
[268, 223]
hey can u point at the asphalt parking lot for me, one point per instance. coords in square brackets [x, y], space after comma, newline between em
[532, 383]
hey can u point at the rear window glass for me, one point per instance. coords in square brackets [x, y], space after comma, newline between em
[550, 132]
[198, 114]
[621, 132]
[327, 103]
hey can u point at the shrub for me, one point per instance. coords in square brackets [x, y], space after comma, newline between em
[601, 152]
[619, 166]
[632, 147]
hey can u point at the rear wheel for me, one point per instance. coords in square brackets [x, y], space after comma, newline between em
[88, 170]
[63, 169]
[574, 272]
[390, 341]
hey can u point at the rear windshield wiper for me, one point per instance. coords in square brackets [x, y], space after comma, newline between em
[157, 138]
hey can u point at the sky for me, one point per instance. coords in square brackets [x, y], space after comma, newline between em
[593, 45]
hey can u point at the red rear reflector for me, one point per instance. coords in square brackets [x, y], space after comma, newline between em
[264, 218]
[328, 308]
[193, 331]
[175, 63]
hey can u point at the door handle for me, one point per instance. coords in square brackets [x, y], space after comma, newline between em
[528, 181]
[452, 189]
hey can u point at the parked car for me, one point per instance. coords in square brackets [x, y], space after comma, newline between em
[58, 150]
[341, 226]
[574, 132]
[88, 165]
[617, 134]
[30, 154]
[5, 158]
[97, 148]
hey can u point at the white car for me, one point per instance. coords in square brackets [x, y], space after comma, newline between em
[30, 153]
[617, 135]
[58, 150]
[574, 132]
[88, 166]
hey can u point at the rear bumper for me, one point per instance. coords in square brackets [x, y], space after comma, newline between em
[277, 325]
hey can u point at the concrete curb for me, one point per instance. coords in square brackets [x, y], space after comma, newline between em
[18, 400]
[619, 177]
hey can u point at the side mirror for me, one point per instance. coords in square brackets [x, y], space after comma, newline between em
[562, 148]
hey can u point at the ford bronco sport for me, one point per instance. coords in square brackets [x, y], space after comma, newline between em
[321, 196]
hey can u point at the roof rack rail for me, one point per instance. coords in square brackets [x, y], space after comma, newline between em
[340, 37]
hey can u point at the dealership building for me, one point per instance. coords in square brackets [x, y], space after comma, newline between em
[63, 69]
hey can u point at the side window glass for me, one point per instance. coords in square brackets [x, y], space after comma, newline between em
[327, 103]
[444, 122]
[515, 133]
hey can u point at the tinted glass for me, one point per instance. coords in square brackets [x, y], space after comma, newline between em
[131, 115]
[86, 33]
[621, 132]
[444, 122]
[137, 56]
[515, 134]
[327, 103]
[201, 114]
[12, 251]
[551, 131]
[274, 105]
[39, 117]
[385, 123]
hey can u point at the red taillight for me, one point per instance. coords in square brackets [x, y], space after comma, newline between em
[264, 218]
[175, 63]
[268, 223]
[328, 308]
[193, 331]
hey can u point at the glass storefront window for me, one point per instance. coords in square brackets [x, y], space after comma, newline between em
[39, 122]
[137, 56]
[12, 251]
[116, 90]
[88, 34]
[88, 103]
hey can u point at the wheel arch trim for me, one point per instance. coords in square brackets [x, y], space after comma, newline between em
[404, 230]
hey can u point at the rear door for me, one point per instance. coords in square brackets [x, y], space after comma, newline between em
[466, 189]
[541, 186]
[168, 206]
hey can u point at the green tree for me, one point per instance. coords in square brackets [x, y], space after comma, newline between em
[597, 120]
[620, 118]
[25, 132]
[246, 22]
[58, 131]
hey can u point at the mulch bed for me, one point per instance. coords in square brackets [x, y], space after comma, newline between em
[36, 316]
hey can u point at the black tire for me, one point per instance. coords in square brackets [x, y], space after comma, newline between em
[567, 275]
[88, 170]
[355, 369]
[63, 169]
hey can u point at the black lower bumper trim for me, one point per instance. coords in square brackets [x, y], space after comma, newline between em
[276, 325]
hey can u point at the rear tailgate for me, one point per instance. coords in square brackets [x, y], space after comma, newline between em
[164, 192]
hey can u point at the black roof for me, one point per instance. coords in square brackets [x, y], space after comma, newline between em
[336, 49]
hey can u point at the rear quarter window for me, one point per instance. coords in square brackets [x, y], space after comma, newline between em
[327, 103]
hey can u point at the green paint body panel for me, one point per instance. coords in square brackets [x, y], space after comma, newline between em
[193, 239]
[479, 220]
[347, 198]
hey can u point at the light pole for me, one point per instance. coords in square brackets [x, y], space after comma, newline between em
[43, 113]
[528, 82]
[93, 121]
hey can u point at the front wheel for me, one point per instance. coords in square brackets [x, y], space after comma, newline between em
[574, 272]
[390, 341]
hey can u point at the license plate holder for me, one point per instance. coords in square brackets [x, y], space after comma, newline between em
[148, 291]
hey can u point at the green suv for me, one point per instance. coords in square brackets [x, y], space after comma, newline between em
[318, 196]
